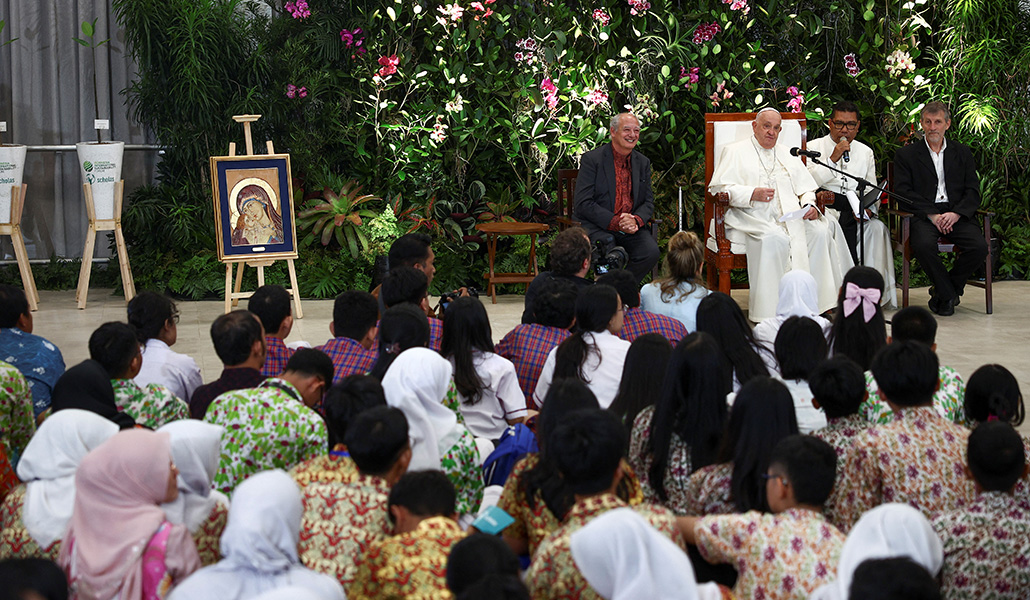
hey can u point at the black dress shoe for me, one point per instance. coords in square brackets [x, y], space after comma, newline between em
[944, 308]
[957, 301]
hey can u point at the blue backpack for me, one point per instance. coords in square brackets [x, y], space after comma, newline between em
[516, 442]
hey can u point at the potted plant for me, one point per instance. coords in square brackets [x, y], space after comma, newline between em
[12, 165]
[100, 163]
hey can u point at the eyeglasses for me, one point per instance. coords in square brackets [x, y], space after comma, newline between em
[845, 124]
[174, 318]
[768, 476]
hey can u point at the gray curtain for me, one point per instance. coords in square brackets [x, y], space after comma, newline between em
[46, 97]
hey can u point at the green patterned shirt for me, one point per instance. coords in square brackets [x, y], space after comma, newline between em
[949, 401]
[16, 420]
[151, 406]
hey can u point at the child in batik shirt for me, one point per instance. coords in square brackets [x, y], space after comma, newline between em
[838, 388]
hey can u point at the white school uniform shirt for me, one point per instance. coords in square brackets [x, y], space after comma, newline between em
[177, 372]
[500, 400]
[809, 417]
[604, 373]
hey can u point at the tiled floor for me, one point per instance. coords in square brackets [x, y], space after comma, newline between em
[965, 341]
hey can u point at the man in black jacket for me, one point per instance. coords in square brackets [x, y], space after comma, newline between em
[613, 194]
[939, 177]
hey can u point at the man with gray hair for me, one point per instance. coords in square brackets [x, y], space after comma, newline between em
[938, 176]
[613, 194]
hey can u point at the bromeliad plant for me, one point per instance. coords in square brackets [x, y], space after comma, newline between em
[338, 214]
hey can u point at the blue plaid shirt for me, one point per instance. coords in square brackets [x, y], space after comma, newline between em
[637, 321]
[349, 357]
[277, 354]
[39, 361]
[527, 346]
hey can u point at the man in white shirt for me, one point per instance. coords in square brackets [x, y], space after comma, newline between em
[766, 183]
[156, 320]
[842, 151]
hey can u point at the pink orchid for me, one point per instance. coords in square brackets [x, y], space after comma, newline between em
[548, 86]
[792, 90]
[602, 17]
[796, 103]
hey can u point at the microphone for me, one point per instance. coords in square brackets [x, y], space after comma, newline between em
[808, 153]
[846, 156]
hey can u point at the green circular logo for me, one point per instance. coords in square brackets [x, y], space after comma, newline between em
[87, 166]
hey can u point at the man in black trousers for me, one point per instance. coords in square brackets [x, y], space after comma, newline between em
[939, 177]
[613, 194]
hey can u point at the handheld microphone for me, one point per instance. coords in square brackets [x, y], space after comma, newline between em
[846, 156]
[808, 153]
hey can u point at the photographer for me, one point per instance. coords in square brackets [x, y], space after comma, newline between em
[570, 261]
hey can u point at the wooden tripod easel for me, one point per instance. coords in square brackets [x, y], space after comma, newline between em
[95, 225]
[232, 292]
[13, 229]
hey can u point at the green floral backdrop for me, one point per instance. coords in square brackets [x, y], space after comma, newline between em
[447, 114]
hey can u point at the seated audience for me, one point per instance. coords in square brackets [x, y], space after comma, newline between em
[838, 389]
[115, 347]
[719, 316]
[354, 330]
[422, 509]
[407, 285]
[196, 447]
[156, 320]
[259, 547]
[39, 361]
[643, 375]
[987, 543]
[484, 559]
[798, 298]
[411, 250]
[889, 530]
[274, 425]
[239, 341]
[918, 458]
[528, 344]
[343, 403]
[489, 395]
[119, 544]
[635, 320]
[762, 415]
[587, 449]
[918, 324]
[342, 520]
[87, 386]
[800, 346]
[17, 421]
[680, 289]
[594, 354]
[33, 579]
[570, 262]
[34, 516]
[402, 327]
[681, 432]
[789, 553]
[417, 383]
[859, 330]
[899, 578]
[992, 394]
[271, 305]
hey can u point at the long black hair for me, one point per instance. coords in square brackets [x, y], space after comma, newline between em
[692, 405]
[850, 335]
[719, 316]
[595, 308]
[403, 326]
[762, 415]
[466, 329]
[642, 376]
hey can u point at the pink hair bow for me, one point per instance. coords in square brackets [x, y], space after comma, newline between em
[854, 296]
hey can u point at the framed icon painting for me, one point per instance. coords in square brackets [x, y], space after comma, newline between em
[253, 207]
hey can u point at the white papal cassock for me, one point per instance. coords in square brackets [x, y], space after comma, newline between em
[878, 251]
[775, 247]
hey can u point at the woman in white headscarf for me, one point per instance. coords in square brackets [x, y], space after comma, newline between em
[798, 298]
[34, 516]
[260, 547]
[416, 383]
[623, 557]
[887, 531]
[196, 448]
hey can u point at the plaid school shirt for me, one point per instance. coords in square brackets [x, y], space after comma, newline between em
[527, 346]
[637, 321]
[349, 357]
[277, 354]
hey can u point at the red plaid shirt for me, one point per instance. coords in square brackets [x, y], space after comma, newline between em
[277, 354]
[637, 321]
[349, 357]
[528, 346]
[435, 336]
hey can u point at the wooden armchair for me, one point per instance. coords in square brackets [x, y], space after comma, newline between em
[722, 257]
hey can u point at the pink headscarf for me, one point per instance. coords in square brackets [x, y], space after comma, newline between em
[118, 489]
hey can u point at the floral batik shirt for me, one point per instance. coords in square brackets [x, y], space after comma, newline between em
[535, 523]
[38, 360]
[919, 458]
[17, 422]
[267, 427]
[15, 540]
[986, 549]
[151, 406]
[412, 565]
[708, 491]
[335, 467]
[840, 432]
[783, 556]
[949, 400]
[677, 470]
[553, 573]
[208, 537]
[461, 465]
[341, 521]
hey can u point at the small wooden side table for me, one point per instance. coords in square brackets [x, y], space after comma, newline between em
[495, 230]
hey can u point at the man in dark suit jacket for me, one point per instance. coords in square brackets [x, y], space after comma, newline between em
[613, 194]
[939, 177]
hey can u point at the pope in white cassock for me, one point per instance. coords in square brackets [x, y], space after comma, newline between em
[878, 253]
[765, 183]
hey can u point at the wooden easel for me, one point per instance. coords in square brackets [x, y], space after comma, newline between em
[95, 225]
[232, 292]
[13, 229]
